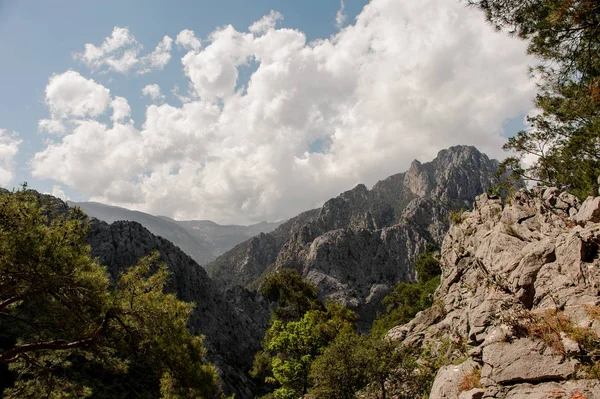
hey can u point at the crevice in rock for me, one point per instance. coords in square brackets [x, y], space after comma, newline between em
[523, 219]
[536, 381]
[589, 251]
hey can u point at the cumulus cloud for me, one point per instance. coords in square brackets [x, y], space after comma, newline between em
[117, 52]
[159, 58]
[153, 91]
[121, 109]
[71, 95]
[120, 53]
[52, 126]
[315, 118]
[58, 192]
[9, 147]
[187, 40]
[266, 23]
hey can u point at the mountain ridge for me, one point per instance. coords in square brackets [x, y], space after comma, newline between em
[202, 240]
[358, 245]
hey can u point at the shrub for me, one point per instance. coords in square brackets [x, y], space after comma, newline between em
[471, 380]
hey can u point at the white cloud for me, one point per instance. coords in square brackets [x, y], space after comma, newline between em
[121, 109]
[187, 40]
[159, 58]
[120, 53]
[53, 126]
[153, 91]
[406, 80]
[266, 23]
[340, 16]
[9, 147]
[71, 95]
[58, 192]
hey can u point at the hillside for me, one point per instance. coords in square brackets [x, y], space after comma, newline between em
[519, 296]
[233, 322]
[203, 240]
[361, 243]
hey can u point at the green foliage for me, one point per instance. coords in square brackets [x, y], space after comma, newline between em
[66, 332]
[456, 216]
[293, 295]
[376, 367]
[427, 264]
[290, 347]
[342, 369]
[409, 298]
[564, 138]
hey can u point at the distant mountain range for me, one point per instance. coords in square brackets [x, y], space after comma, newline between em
[202, 240]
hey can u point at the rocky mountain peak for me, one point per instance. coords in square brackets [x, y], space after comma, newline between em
[362, 242]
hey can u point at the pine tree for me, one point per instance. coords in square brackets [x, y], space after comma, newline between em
[564, 138]
[66, 331]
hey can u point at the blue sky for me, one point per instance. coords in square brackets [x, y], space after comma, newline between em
[330, 105]
[39, 38]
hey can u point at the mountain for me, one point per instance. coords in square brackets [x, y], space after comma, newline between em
[520, 295]
[233, 322]
[360, 244]
[221, 238]
[203, 240]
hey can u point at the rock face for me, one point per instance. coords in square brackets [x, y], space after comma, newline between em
[361, 243]
[504, 269]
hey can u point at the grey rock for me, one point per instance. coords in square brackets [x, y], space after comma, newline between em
[523, 360]
[475, 393]
[588, 389]
[571, 347]
[448, 380]
[589, 211]
[502, 261]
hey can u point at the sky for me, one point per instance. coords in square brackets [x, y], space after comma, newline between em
[239, 111]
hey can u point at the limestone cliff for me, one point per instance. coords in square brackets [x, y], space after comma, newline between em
[520, 294]
[361, 243]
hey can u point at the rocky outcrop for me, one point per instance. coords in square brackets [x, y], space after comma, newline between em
[520, 290]
[361, 243]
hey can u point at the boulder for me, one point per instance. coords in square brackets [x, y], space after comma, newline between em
[449, 378]
[589, 211]
[512, 362]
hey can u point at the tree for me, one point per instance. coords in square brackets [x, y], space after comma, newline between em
[343, 368]
[293, 295]
[62, 323]
[564, 138]
[355, 363]
[289, 348]
[427, 264]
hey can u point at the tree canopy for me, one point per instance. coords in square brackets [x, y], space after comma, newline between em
[564, 137]
[66, 331]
